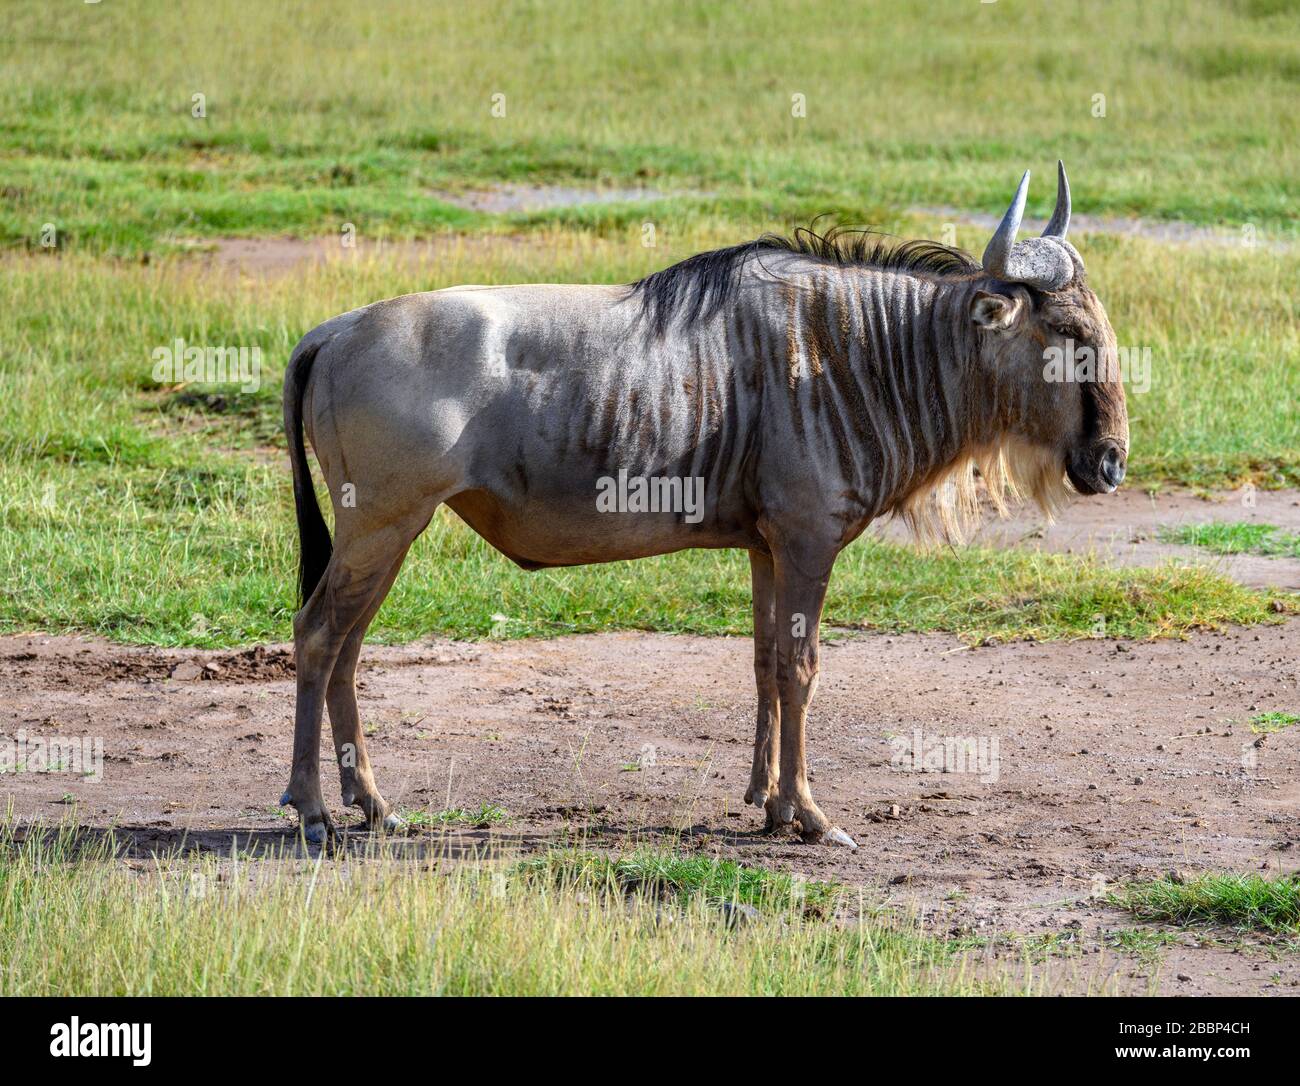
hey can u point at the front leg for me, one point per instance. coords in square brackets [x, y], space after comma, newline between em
[802, 572]
[767, 737]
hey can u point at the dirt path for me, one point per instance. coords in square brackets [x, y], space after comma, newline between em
[1112, 761]
[278, 257]
[1124, 528]
[500, 199]
[1165, 231]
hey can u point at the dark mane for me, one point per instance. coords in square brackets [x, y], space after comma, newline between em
[698, 286]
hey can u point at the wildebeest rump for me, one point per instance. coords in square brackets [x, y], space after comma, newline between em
[803, 386]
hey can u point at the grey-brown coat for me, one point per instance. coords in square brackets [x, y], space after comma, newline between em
[810, 386]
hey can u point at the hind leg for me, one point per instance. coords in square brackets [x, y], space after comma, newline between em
[358, 569]
[355, 776]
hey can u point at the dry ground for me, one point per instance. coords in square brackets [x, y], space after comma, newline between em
[1123, 528]
[1113, 761]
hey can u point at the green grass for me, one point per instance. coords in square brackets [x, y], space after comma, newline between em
[487, 814]
[1223, 537]
[161, 559]
[75, 921]
[904, 105]
[163, 516]
[1243, 902]
[1146, 944]
[680, 879]
[160, 514]
[1271, 722]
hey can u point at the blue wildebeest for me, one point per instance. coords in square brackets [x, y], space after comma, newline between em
[812, 384]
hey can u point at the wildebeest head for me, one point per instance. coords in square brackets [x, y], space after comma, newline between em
[1049, 350]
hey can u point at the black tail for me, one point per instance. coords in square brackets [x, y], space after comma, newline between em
[314, 545]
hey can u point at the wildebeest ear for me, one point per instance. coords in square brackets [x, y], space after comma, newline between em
[993, 310]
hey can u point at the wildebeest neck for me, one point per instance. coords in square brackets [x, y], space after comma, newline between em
[869, 375]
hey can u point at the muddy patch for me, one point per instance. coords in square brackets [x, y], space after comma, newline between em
[91, 663]
[1101, 761]
[88, 663]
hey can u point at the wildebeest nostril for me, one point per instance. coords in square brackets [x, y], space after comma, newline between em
[1112, 467]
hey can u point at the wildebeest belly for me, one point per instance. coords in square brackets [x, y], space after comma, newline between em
[540, 531]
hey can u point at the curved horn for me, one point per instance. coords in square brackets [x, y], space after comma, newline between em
[1061, 216]
[999, 246]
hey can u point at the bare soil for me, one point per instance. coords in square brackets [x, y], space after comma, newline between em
[279, 257]
[499, 199]
[1124, 529]
[1114, 761]
[276, 257]
[1166, 231]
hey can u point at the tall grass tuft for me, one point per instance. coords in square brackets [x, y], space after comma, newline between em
[76, 917]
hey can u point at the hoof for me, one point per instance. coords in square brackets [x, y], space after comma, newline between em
[317, 833]
[772, 823]
[758, 799]
[832, 836]
[392, 823]
[286, 800]
[836, 836]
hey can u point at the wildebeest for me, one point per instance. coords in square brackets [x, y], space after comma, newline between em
[803, 387]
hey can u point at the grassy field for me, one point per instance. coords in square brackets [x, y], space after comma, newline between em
[133, 135]
[315, 113]
[74, 920]
[161, 514]
[158, 514]
[941, 105]
[77, 917]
